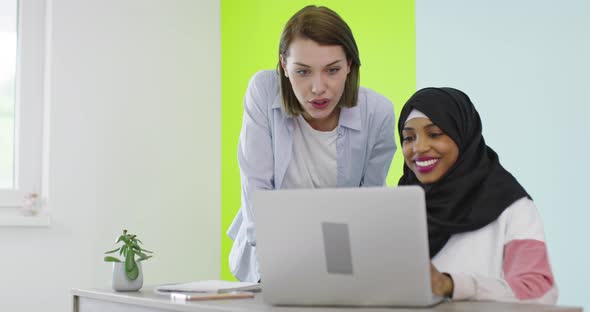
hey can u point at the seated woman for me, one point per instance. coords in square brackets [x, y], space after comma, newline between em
[484, 230]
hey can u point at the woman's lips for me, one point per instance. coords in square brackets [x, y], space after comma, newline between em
[425, 164]
[319, 103]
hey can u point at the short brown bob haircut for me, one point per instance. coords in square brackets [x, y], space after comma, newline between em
[325, 27]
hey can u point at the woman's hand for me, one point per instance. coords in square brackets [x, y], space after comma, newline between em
[442, 284]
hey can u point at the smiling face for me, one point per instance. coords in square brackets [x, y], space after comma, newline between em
[317, 74]
[428, 151]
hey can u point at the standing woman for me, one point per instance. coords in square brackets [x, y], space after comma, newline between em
[484, 230]
[309, 124]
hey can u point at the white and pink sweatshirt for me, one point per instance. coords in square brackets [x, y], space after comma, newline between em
[504, 261]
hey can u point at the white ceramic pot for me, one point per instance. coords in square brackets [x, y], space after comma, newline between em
[120, 280]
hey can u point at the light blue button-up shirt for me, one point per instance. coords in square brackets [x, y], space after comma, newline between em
[364, 150]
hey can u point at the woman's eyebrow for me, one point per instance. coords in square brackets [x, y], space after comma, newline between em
[336, 61]
[425, 127]
[305, 65]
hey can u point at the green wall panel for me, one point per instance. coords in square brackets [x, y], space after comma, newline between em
[250, 32]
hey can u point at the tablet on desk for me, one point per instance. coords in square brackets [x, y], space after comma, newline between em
[182, 297]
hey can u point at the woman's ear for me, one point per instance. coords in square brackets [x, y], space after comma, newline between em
[348, 66]
[284, 65]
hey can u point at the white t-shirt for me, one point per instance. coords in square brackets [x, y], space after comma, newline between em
[313, 164]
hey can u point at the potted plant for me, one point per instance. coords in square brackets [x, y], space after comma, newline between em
[127, 274]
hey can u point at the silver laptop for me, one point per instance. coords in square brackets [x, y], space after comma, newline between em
[343, 247]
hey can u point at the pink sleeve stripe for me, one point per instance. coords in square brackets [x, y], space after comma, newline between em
[526, 268]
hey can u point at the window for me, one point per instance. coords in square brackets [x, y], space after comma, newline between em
[22, 100]
[7, 94]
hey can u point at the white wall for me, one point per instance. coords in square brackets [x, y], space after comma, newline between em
[135, 142]
[525, 66]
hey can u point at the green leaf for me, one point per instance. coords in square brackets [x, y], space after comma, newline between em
[123, 238]
[143, 258]
[130, 261]
[114, 250]
[133, 274]
[123, 251]
[145, 250]
[139, 241]
[111, 259]
[119, 239]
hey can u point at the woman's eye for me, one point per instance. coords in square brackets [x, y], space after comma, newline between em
[407, 139]
[302, 72]
[333, 70]
[436, 135]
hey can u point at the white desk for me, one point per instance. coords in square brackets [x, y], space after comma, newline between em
[101, 300]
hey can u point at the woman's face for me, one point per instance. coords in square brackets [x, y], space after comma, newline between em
[428, 151]
[318, 75]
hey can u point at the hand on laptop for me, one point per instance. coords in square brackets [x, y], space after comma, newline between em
[442, 283]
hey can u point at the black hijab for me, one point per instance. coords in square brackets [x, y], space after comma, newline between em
[476, 189]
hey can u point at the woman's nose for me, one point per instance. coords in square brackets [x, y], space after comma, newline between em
[421, 145]
[318, 85]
